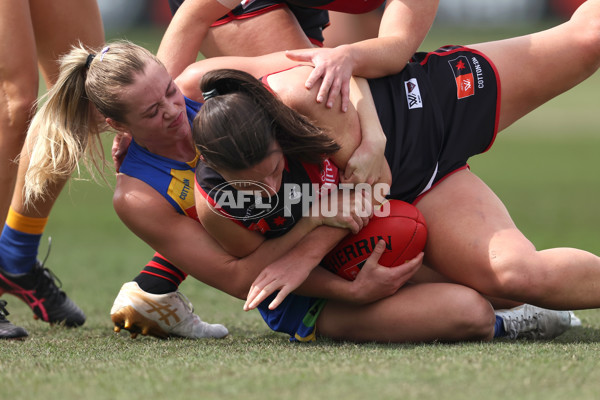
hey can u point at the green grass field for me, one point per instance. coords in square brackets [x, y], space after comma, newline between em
[545, 168]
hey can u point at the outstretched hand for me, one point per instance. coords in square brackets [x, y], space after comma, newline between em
[284, 277]
[374, 282]
[334, 66]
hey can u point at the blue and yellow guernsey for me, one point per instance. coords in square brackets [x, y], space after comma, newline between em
[174, 180]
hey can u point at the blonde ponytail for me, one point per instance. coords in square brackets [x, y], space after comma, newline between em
[71, 115]
[61, 129]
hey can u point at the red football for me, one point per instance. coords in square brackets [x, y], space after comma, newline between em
[403, 230]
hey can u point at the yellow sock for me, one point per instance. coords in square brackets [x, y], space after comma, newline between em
[22, 223]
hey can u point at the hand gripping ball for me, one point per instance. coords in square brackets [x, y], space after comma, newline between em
[403, 230]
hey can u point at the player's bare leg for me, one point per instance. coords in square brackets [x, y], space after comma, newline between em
[21, 274]
[473, 241]
[18, 90]
[416, 313]
[535, 68]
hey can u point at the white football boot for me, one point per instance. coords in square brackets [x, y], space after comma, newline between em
[159, 315]
[531, 322]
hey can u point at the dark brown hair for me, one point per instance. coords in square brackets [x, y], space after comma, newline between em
[236, 126]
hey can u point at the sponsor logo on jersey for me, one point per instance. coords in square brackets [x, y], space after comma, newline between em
[478, 72]
[463, 75]
[413, 94]
[329, 172]
[180, 188]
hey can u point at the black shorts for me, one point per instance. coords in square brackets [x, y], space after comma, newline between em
[312, 21]
[343, 6]
[438, 112]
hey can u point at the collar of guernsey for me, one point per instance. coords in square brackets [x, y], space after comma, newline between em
[174, 180]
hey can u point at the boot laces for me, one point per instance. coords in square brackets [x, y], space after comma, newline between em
[3, 311]
[47, 283]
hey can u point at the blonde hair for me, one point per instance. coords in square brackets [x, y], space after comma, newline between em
[67, 125]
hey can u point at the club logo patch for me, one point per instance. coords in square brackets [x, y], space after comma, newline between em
[413, 94]
[463, 74]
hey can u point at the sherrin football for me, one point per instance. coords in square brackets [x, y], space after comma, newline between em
[403, 230]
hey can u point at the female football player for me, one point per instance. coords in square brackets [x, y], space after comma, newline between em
[249, 34]
[441, 109]
[148, 104]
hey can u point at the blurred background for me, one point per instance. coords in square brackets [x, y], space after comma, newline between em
[124, 15]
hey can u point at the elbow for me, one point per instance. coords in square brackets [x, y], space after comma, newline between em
[237, 288]
[189, 82]
[240, 292]
[237, 282]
